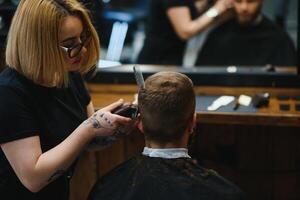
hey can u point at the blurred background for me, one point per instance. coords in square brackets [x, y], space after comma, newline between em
[121, 25]
[124, 20]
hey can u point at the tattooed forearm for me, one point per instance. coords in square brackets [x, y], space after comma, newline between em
[95, 123]
[56, 175]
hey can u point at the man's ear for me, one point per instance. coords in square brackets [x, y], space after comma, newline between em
[194, 120]
[193, 123]
[140, 124]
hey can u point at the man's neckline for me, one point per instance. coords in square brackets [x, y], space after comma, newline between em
[168, 153]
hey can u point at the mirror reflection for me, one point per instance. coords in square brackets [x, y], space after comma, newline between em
[191, 33]
[200, 33]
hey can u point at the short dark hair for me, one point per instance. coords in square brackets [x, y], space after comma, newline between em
[167, 104]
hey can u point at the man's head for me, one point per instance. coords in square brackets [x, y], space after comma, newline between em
[167, 106]
[247, 10]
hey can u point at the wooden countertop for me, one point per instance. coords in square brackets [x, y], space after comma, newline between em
[103, 94]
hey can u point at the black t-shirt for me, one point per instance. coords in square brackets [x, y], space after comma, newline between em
[149, 178]
[261, 44]
[27, 109]
[162, 45]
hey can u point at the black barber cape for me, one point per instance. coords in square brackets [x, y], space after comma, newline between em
[260, 44]
[149, 178]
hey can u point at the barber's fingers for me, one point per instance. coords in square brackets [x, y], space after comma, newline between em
[135, 99]
[122, 120]
[229, 3]
[223, 5]
[110, 120]
[114, 105]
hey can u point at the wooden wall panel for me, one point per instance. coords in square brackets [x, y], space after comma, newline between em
[254, 148]
[84, 177]
[262, 160]
[286, 186]
[257, 185]
[110, 157]
[286, 149]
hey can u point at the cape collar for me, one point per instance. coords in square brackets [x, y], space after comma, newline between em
[166, 153]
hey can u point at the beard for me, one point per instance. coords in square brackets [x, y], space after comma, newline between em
[246, 19]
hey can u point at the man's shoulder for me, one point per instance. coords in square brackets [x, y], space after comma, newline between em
[267, 22]
[170, 178]
[225, 26]
[273, 29]
[219, 185]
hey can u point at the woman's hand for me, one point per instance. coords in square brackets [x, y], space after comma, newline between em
[104, 122]
[223, 5]
[201, 5]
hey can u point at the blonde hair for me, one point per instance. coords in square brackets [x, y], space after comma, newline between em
[33, 45]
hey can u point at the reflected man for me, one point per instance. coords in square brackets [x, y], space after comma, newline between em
[249, 38]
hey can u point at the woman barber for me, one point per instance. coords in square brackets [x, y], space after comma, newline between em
[46, 114]
[171, 23]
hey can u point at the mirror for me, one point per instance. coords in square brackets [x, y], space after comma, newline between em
[128, 24]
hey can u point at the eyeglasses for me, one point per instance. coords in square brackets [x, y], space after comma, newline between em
[76, 49]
